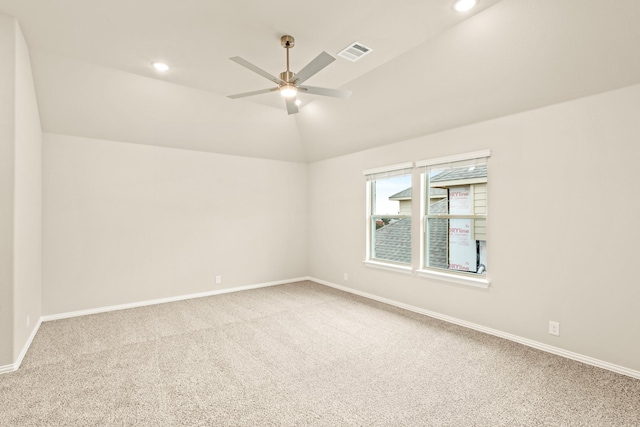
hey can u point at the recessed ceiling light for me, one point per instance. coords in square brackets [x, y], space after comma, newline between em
[160, 66]
[464, 5]
[298, 102]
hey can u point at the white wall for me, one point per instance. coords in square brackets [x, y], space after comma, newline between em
[28, 202]
[20, 196]
[7, 149]
[125, 223]
[563, 171]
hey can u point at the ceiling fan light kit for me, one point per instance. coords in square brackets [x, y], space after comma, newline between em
[290, 83]
[288, 91]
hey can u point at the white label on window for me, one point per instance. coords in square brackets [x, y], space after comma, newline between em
[462, 244]
[459, 200]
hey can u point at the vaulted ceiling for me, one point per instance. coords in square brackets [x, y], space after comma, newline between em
[431, 68]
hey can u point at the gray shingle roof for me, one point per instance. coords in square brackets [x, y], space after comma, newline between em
[461, 173]
[393, 241]
[404, 194]
[438, 191]
[438, 234]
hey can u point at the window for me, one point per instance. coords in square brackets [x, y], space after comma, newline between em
[454, 239]
[389, 215]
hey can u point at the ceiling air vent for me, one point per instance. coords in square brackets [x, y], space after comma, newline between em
[354, 52]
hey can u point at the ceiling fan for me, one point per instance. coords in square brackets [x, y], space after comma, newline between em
[290, 83]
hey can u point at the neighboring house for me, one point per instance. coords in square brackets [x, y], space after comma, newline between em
[393, 241]
[476, 179]
[404, 197]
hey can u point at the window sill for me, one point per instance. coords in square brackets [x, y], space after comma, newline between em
[389, 267]
[455, 278]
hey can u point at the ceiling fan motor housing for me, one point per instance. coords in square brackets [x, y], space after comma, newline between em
[287, 76]
[287, 41]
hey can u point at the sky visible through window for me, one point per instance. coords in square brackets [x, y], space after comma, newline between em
[387, 187]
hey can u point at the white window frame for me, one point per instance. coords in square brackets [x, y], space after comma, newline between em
[459, 277]
[371, 176]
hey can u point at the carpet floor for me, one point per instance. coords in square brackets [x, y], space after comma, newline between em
[300, 354]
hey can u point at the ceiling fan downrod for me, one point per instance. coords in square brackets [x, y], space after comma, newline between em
[287, 42]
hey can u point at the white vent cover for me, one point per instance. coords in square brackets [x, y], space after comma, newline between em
[354, 51]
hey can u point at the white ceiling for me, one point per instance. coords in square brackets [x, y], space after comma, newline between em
[431, 68]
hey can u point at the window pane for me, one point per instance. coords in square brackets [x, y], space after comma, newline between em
[437, 243]
[390, 234]
[392, 196]
[464, 187]
[453, 244]
[462, 246]
[392, 241]
[456, 244]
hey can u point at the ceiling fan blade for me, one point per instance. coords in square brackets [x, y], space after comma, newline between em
[334, 93]
[292, 108]
[255, 92]
[313, 67]
[255, 69]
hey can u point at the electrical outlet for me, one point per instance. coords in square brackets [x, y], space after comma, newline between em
[346, 277]
[554, 328]
[218, 280]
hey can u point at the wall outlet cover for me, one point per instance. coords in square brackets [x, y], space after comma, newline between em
[554, 328]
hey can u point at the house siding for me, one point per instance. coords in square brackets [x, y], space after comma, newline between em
[480, 208]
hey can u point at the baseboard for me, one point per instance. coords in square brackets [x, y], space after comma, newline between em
[5, 369]
[525, 341]
[165, 300]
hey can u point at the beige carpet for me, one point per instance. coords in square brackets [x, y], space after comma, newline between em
[299, 354]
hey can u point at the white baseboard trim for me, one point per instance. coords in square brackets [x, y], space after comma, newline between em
[5, 369]
[26, 346]
[525, 341]
[165, 300]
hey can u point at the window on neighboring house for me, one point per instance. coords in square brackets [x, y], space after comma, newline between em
[389, 215]
[455, 215]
